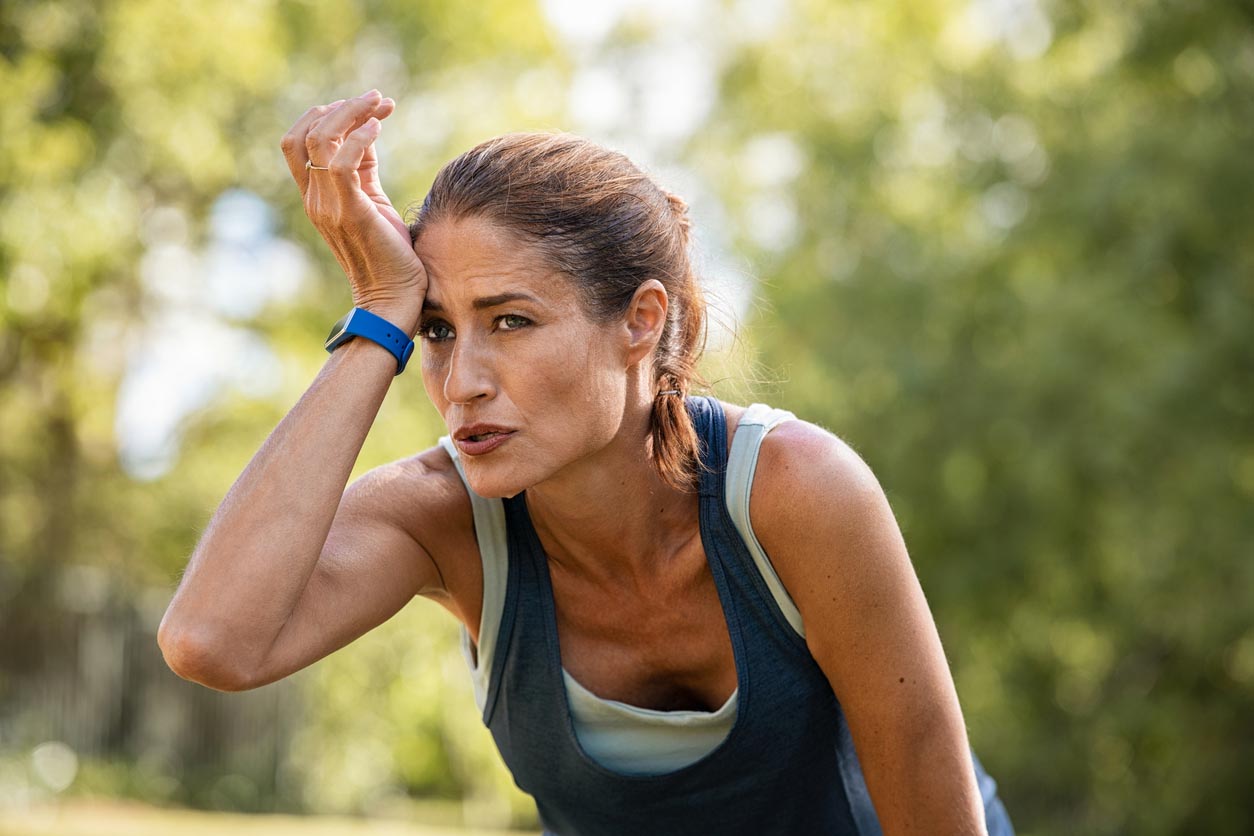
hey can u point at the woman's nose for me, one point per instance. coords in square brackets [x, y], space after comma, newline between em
[469, 373]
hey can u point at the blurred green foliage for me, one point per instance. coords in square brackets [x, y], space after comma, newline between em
[1003, 249]
[1024, 291]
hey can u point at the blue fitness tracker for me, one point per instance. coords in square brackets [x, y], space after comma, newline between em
[360, 322]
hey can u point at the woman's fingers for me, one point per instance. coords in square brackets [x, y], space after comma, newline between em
[317, 134]
[347, 161]
[325, 136]
[293, 142]
[343, 200]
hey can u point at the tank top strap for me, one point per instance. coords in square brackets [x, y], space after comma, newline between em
[491, 534]
[711, 426]
[755, 422]
[757, 587]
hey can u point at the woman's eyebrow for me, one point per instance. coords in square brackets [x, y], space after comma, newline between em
[430, 304]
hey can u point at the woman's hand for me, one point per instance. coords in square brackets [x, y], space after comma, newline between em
[348, 206]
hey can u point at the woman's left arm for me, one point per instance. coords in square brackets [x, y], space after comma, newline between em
[821, 515]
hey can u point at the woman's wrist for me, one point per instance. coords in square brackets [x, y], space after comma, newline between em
[403, 316]
[366, 347]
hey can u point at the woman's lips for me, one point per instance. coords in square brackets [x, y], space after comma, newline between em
[477, 448]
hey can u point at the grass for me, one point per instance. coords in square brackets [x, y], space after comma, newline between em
[118, 818]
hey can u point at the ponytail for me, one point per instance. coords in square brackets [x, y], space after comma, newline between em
[676, 444]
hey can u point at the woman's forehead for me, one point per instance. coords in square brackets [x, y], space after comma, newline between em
[474, 257]
[466, 241]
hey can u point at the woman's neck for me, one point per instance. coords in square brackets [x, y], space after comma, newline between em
[611, 515]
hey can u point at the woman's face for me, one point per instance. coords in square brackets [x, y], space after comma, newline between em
[537, 366]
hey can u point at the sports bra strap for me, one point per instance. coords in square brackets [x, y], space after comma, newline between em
[758, 419]
[491, 534]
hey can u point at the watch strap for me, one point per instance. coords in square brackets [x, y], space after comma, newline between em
[360, 322]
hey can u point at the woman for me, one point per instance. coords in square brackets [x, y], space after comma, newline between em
[602, 537]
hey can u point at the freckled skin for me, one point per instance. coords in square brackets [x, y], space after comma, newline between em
[558, 379]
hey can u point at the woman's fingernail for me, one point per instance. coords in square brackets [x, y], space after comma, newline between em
[370, 94]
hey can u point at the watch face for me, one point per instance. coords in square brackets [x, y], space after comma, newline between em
[337, 329]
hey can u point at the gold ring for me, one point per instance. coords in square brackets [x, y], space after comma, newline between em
[309, 164]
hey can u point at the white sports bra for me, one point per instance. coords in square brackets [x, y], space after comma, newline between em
[623, 737]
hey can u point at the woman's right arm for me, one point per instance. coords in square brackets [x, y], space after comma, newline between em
[292, 566]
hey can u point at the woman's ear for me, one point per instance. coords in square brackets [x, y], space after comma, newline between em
[645, 320]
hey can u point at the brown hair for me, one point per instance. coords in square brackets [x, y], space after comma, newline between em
[603, 222]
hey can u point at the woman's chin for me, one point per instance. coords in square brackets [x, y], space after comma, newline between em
[493, 489]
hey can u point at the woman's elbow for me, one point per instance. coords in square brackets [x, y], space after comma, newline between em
[202, 660]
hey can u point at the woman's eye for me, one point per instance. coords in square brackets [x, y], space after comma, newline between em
[428, 329]
[525, 322]
[438, 332]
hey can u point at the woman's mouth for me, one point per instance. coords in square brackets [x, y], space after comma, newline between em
[477, 445]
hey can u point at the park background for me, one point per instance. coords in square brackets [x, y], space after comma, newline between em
[1001, 247]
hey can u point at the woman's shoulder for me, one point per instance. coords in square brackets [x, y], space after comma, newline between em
[428, 496]
[787, 436]
[807, 477]
[426, 483]
[818, 510]
[448, 499]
